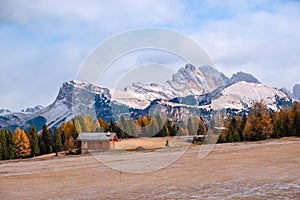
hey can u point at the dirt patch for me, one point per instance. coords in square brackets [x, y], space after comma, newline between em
[253, 170]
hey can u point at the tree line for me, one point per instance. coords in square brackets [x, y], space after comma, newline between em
[259, 124]
[25, 144]
[262, 124]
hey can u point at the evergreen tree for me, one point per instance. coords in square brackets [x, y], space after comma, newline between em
[4, 154]
[232, 133]
[242, 127]
[277, 123]
[21, 143]
[10, 145]
[34, 143]
[47, 139]
[57, 143]
[42, 146]
[296, 124]
[221, 138]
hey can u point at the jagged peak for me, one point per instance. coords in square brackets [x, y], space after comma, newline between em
[296, 91]
[242, 76]
[190, 66]
[32, 109]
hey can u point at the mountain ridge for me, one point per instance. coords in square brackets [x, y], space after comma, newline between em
[199, 91]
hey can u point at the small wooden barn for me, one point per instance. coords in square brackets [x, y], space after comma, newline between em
[92, 142]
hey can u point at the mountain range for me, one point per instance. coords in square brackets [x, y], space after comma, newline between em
[192, 91]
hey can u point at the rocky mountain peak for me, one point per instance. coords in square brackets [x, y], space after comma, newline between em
[296, 91]
[242, 76]
[32, 110]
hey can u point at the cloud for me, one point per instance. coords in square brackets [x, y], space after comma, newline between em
[67, 16]
[264, 43]
[43, 43]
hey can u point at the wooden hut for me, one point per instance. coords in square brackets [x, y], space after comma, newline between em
[92, 142]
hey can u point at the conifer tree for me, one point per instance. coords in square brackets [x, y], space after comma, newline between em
[201, 127]
[34, 143]
[296, 124]
[260, 121]
[103, 124]
[47, 139]
[242, 127]
[21, 143]
[232, 133]
[10, 145]
[57, 143]
[221, 138]
[4, 154]
[77, 125]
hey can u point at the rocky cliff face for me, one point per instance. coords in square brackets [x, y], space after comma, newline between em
[296, 91]
[242, 76]
[189, 80]
[191, 91]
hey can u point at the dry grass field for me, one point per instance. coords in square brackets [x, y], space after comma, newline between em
[256, 170]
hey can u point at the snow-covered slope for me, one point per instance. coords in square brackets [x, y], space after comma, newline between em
[243, 95]
[234, 99]
[74, 97]
[198, 90]
[4, 111]
[32, 110]
[189, 80]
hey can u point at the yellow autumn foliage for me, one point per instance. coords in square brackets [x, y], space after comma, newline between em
[21, 143]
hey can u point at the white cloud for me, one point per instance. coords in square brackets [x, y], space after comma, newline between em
[67, 16]
[44, 42]
[261, 42]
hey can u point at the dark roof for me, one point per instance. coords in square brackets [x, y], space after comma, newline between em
[96, 136]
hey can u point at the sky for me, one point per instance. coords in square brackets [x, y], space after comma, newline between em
[44, 43]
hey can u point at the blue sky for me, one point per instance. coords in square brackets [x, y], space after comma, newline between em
[43, 43]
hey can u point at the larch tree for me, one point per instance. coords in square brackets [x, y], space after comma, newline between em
[261, 122]
[103, 124]
[21, 143]
[201, 127]
[77, 125]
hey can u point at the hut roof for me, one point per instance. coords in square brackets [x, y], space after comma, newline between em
[96, 136]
